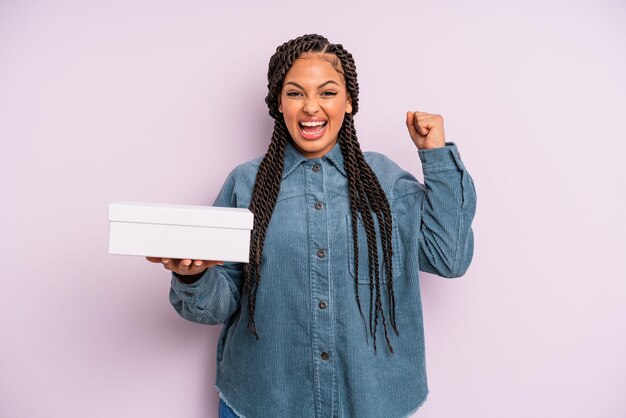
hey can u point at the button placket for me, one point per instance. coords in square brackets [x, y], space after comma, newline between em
[320, 280]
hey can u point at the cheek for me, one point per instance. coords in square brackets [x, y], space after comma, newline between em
[339, 110]
[288, 118]
[289, 111]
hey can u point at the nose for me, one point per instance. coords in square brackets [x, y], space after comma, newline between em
[311, 106]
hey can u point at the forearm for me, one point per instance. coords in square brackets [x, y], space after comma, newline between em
[210, 299]
[446, 238]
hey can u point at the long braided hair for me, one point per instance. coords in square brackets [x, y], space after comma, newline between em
[367, 198]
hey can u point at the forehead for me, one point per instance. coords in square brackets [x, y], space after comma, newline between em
[313, 68]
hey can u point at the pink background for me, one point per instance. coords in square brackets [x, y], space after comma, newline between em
[157, 100]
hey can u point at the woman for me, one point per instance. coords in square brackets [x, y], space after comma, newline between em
[338, 239]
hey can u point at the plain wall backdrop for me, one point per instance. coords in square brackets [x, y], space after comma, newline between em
[157, 101]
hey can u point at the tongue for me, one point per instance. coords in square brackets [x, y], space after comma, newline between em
[312, 129]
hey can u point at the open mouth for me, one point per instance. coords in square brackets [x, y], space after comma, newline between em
[312, 130]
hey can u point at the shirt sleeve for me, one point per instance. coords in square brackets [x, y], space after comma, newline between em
[214, 297]
[210, 300]
[446, 240]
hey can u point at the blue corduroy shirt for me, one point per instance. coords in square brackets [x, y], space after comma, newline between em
[315, 356]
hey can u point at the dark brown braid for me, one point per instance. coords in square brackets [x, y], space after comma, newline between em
[367, 198]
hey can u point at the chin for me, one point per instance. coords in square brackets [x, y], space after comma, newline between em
[314, 149]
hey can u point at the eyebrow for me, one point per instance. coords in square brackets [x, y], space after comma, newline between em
[319, 87]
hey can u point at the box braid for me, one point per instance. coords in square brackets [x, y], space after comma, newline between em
[366, 194]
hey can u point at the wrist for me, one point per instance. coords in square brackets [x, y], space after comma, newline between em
[431, 145]
[190, 278]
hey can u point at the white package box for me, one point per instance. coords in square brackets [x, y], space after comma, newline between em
[180, 231]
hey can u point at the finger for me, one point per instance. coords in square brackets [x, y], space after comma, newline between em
[154, 259]
[410, 124]
[409, 118]
[205, 264]
[430, 119]
[196, 266]
[184, 266]
[421, 123]
[168, 264]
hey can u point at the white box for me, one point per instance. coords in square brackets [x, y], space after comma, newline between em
[180, 231]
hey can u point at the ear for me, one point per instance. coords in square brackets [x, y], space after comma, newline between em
[349, 105]
[280, 106]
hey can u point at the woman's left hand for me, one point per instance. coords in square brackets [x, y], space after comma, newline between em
[426, 129]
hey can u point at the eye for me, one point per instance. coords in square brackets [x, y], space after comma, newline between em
[329, 93]
[293, 93]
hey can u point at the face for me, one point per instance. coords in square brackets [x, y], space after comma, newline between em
[313, 102]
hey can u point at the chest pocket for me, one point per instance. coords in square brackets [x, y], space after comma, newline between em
[364, 277]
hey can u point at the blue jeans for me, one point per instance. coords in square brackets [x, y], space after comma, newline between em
[225, 411]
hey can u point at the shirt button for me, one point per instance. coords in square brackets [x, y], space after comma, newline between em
[321, 253]
[188, 293]
[323, 304]
[316, 168]
[319, 205]
[325, 355]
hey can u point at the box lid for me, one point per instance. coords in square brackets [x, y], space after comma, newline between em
[192, 215]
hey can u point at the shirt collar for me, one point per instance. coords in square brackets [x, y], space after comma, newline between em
[293, 159]
[335, 156]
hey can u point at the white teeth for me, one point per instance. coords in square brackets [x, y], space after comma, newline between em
[317, 123]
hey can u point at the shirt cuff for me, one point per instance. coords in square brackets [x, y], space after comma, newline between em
[189, 293]
[441, 159]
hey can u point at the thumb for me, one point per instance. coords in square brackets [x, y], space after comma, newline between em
[410, 124]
